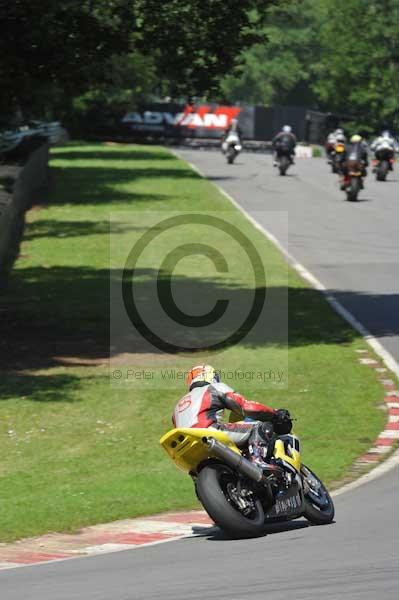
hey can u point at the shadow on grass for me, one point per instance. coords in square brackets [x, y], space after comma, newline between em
[44, 228]
[103, 153]
[39, 388]
[62, 315]
[96, 185]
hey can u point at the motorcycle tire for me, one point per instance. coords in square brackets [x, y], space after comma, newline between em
[382, 171]
[213, 491]
[284, 163]
[316, 514]
[230, 158]
[352, 191]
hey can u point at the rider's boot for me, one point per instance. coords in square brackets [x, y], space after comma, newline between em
[258, 444]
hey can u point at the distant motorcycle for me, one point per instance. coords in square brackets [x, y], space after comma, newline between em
[353, 179]
[336, 157]
[384, 159]
[329, 148]
[283, 160]
[231, 147]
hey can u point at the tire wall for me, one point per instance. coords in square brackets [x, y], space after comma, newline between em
[20, 192]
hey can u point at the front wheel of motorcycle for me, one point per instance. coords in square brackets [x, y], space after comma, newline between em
[319, 507]
[240, 514]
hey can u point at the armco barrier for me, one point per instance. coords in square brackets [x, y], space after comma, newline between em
[19, 187]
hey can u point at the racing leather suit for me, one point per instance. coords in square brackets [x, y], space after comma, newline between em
[353, 151]
[383, 142]
[232, 129]
[204, 406]
[383, 145]
[284, 141]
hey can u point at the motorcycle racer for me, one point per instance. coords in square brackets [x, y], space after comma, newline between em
[234, 130]
[333, 138]
[285, 140]
[383, 144]
[204, 404]
[356, 150]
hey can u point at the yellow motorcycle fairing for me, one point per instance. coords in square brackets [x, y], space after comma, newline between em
[287, 449]
[186, 448]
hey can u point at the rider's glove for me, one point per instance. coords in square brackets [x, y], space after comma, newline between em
[282, 421]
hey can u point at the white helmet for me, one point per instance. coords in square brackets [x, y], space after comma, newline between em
[339, 131]
[386, 134]
[287, 128]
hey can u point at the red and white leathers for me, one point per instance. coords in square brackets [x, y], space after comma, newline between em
[204, 406]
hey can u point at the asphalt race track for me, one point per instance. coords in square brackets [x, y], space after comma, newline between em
[356, 558]
[353, 250]
[351, 247]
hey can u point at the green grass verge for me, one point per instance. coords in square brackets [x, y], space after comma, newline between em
[76, 450]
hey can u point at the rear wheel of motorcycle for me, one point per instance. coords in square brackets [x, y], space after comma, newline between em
[382, 171]
[314, 512]
[284, 164]
[213, 491]
[353, 190]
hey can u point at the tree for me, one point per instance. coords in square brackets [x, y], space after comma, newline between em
[61, 49]
[198, 42]
[47, 45]
[358, 71]
[278, 71]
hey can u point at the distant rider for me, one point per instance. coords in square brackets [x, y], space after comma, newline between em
[384, 145]
[336, 136]
[284, 142]
[356, 150]
[234, 129]
[204, 405]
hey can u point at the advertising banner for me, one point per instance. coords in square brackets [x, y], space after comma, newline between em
[176, 120]
[259, 123]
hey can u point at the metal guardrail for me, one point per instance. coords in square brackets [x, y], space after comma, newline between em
[11, 139]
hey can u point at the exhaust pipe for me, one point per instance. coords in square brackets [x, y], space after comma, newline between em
[237, 461]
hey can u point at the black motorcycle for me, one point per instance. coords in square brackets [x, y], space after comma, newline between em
[336, 157]
[383, 163]
[284, 160]
[354, 171]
